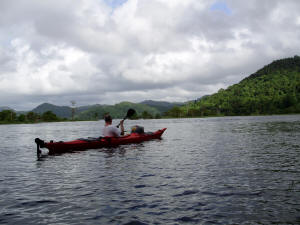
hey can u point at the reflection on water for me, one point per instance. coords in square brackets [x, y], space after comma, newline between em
[228, 170]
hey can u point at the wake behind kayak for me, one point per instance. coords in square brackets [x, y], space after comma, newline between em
[94, 143]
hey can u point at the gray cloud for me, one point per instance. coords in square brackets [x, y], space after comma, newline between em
[106, 51]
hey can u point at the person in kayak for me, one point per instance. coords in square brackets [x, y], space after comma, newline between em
[112, 131]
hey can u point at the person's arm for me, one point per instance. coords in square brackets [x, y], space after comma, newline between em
[122, 127]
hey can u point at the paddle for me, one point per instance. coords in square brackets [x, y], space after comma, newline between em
[129, 114]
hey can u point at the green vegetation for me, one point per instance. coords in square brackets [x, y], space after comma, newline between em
[10, 117]
[118, 111]
[60, 111]
[274, 89]
[146, 110]
[161, 106]
[95, 112]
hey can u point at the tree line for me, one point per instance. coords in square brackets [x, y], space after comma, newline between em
[143, 115]
[9, 116]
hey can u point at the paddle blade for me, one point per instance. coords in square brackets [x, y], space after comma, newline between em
[130, 113]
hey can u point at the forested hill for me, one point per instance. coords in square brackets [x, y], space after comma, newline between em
[60, 111]
[274, 89]
[161, 105]
[281, 65]
[97, 111]
[118, 111]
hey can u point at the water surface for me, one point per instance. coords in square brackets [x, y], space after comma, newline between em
[231, 170]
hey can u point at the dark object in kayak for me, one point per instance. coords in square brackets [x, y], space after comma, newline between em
[93, 143]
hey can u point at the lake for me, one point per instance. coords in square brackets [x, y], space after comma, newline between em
[227, 170]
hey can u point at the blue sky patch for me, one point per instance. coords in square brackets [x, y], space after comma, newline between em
[114, 3]
[221, 6]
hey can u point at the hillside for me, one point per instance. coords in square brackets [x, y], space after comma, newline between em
[274, 89]
[161, 105]
[116, 111]
[60, 111]
[97, 111]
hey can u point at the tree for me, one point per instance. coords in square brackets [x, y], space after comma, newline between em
[49, 116]
[96, 115]
[7, 115]
[22, 118]
[175, 112]
[146, 115]
[157, 116]
[289, 100]
[32, 117]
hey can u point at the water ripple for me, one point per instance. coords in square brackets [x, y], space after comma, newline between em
[233, 170]
[188, 192]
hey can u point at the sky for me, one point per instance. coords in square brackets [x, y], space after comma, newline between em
[108, 51]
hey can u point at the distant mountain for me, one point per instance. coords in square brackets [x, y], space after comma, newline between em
[274, 89]
[161, 105]
[116, 111]
[84, 108]
[97, 111]
[60, 111]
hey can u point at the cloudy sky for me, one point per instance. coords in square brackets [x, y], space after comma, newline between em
[108, 51]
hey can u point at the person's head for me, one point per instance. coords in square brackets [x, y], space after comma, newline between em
[107, 119]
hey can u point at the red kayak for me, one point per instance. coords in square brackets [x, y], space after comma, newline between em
[93, 143]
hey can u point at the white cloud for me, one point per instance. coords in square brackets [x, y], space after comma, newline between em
[107, 51]
[68, 70]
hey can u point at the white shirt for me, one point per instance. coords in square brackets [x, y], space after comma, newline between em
[111, 131]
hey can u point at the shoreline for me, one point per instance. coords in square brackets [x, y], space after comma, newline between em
[203, 117]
